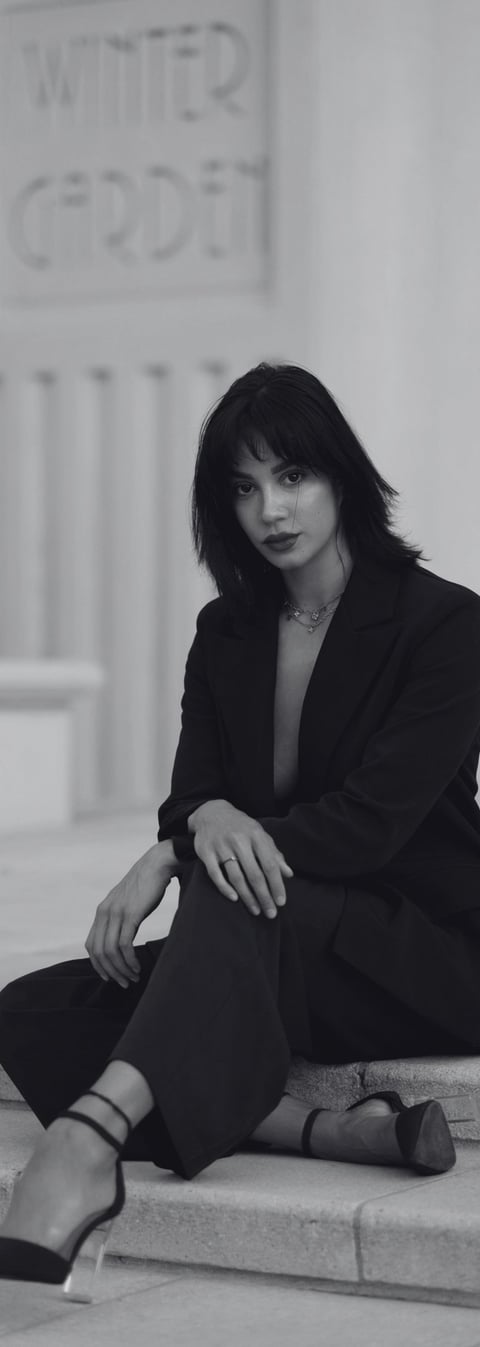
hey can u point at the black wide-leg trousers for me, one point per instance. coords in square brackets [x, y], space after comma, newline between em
[222, 1003]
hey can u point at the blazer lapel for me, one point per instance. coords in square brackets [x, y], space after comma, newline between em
[358, 640]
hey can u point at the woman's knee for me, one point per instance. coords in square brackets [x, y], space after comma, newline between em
[14, 994]
[196, 879]
[311, 915]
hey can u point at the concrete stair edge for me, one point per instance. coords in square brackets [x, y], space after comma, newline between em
[455, 1081]
[357, 1229]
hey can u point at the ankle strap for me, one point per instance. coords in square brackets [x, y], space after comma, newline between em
[92, 1122]
[307, 1128]
[112, 1105]
[102, 1132]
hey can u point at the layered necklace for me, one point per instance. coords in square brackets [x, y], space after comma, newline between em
[317, 616]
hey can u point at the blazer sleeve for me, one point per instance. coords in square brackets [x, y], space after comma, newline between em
[197, 773]
[407, 764]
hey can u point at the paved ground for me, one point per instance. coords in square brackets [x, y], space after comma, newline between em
[50, 885]
[184, 1309]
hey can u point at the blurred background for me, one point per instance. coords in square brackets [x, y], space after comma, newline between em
[188, 187]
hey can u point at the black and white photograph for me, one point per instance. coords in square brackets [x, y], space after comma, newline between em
[239, 673]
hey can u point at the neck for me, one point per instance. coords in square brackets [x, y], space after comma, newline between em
[315, 597]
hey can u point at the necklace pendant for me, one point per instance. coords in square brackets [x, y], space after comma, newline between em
[316, 614]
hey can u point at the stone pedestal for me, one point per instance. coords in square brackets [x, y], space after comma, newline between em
[37, 700]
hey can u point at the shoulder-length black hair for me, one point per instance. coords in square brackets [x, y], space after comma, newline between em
[289, 409]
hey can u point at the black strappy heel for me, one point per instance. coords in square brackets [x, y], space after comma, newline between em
[422, 1132]
[22, 1260]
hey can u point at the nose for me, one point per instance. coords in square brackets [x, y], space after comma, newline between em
[272, 511]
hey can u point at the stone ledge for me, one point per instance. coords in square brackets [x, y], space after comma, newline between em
[47, 682]
[365, 1229]
[38, 739]
[455, 1081]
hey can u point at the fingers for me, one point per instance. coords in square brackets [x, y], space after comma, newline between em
[241, 889]
[272, 876]
[264, 889]
[109, 945]
[212, 867]
[260, 886]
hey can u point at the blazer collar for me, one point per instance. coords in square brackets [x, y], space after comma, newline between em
[360, 635]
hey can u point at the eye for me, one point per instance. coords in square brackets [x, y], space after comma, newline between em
[292, 472]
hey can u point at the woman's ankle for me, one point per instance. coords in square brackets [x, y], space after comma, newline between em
[283, 1127]
[81, 1134]
[362, 1136]
[126, 1087]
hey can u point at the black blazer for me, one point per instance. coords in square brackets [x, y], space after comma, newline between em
[389, 738]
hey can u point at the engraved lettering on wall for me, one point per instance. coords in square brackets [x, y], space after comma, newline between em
[147, 144]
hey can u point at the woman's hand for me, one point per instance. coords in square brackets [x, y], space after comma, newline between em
[220, 830]
[109, 942]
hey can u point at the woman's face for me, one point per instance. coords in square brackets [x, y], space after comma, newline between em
[275, 497]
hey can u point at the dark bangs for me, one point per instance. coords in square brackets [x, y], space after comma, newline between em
[289, 410]
[279, 414]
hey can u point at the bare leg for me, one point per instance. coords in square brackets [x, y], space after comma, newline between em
[71, 1173]
[125, 1086]
[366, 1135]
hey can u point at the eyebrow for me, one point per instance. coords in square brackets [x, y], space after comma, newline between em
[235, 472]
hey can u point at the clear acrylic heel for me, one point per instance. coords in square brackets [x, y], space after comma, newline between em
[74, 1267]
[80, 1283]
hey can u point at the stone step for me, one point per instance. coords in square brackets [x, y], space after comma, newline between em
[453, 1080]
[369, 1230]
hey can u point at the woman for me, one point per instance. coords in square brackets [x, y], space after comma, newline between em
[322, 818]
